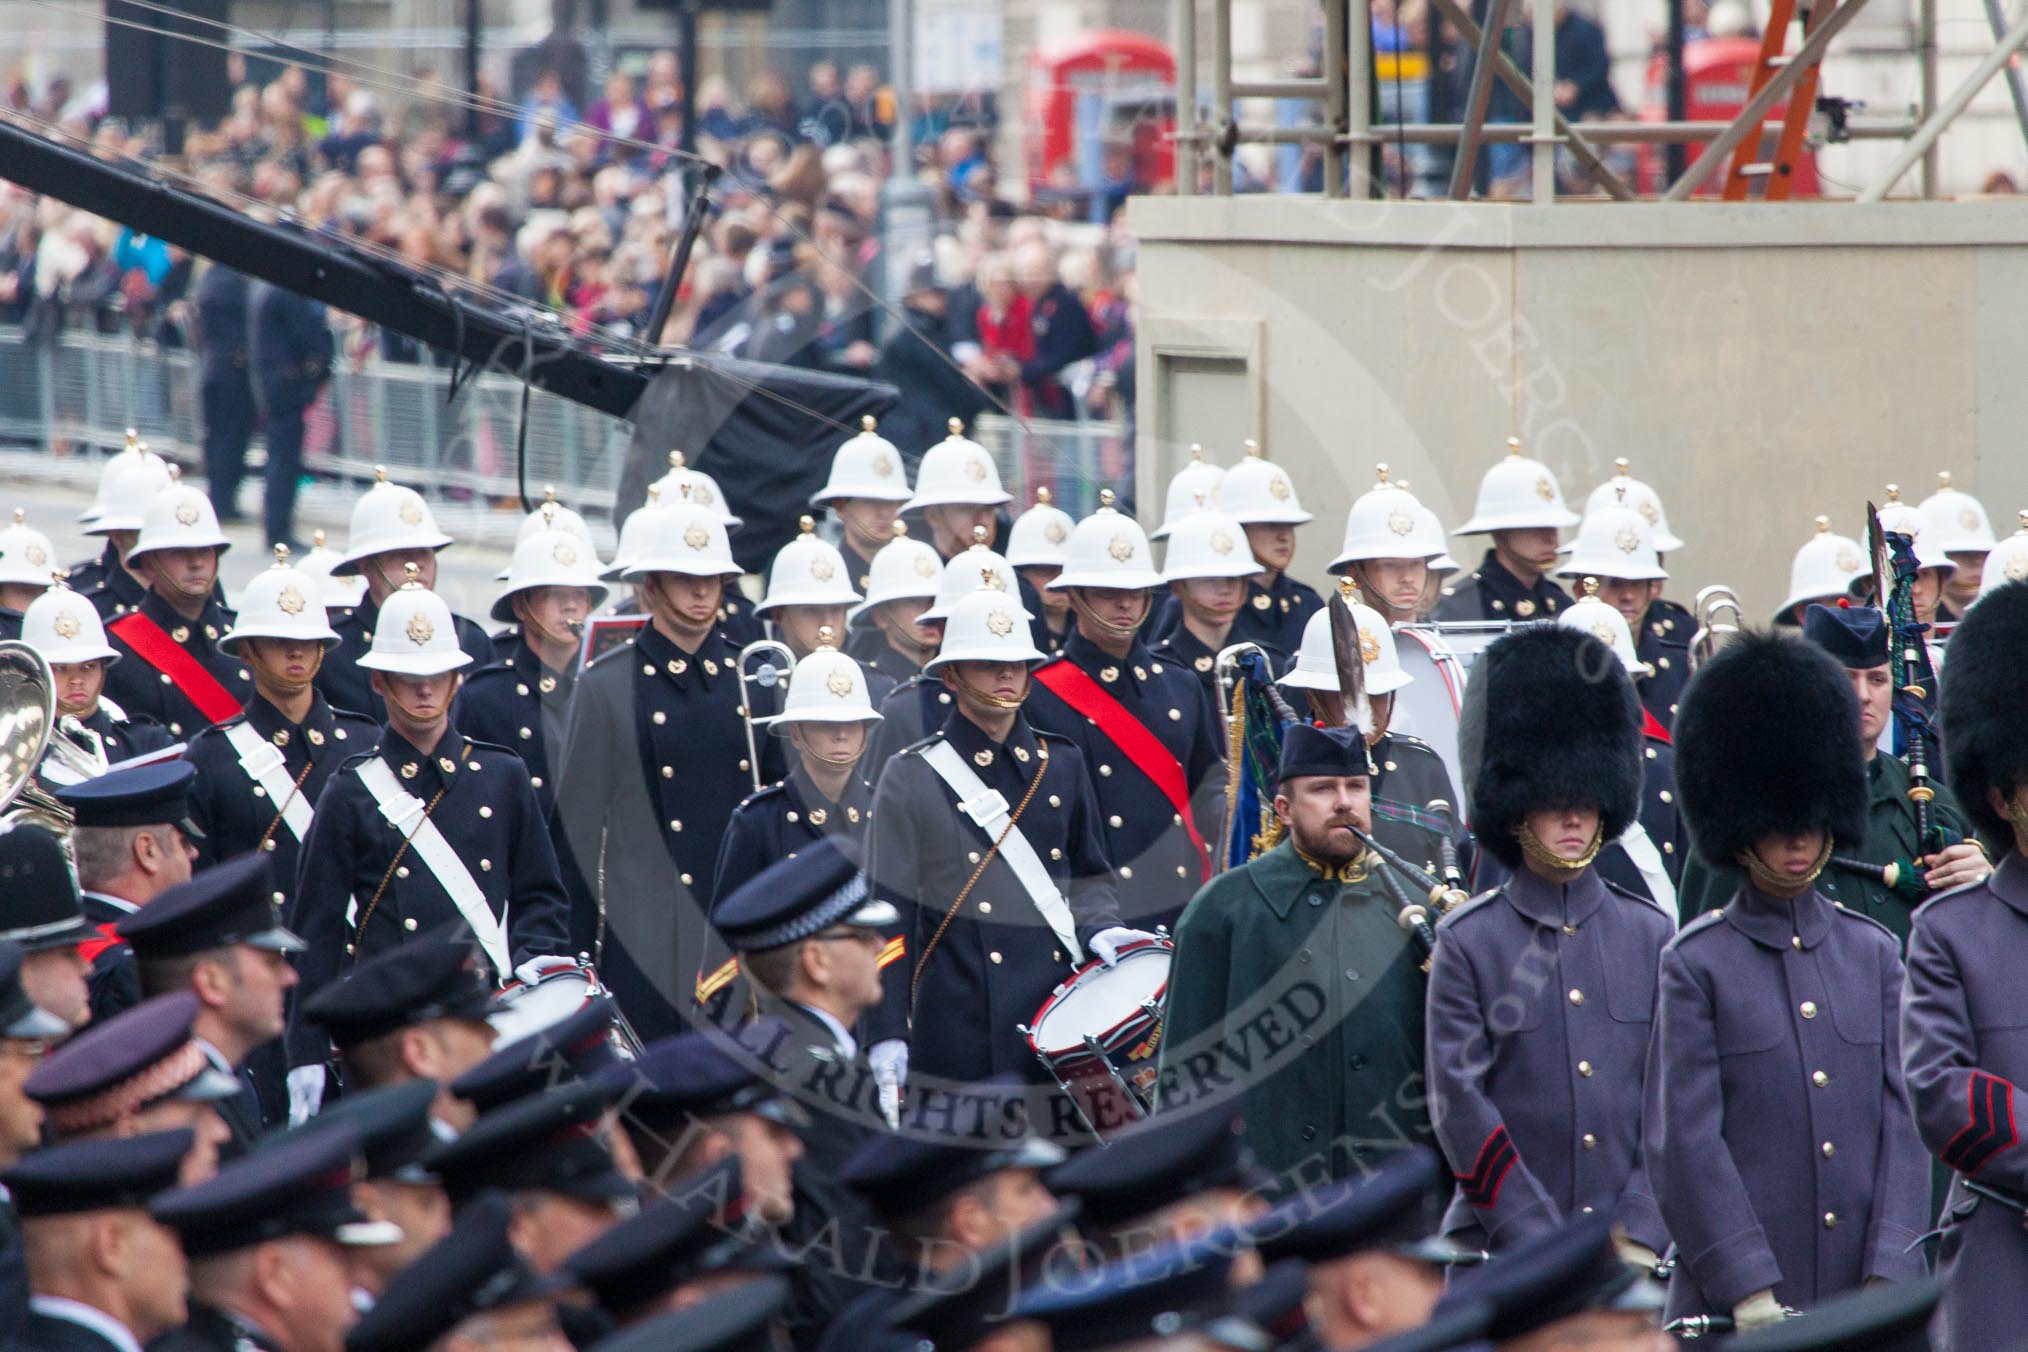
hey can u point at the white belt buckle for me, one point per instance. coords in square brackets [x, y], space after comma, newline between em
[985, 808]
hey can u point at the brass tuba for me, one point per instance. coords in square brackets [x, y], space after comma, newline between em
[30, 731]
[766, 676]
[1712, 632]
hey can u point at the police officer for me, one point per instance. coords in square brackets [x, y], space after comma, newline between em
[682, 487]
[1965, 534]
[808, 594]
[469, 1293]
[170, 667]
[390, 1186]
[1962, 1061]
[26, 1031]
[1778, 1135]
[1206, 568]
[1616, 546]
[260, 772]
[366, 885]
[27, 563]
[104, 1276]
[867, 485]
[979, 964]
[290, 341]
[1142, 726]
[138, 1071]
[224, 389]
[746, 1318]
[1174, 1293]
[132, 838]
[1348, 1092]
[888, 635]
[1036, 547]
[1567, 1287]
[676, 1253]
[1163, 1179]
[1391, 543]
[1822, 573]
[46, 923]
[127, 484]
[653, 765]
[525, 1061]
[268, 1243]
[523, 700]
[958, 492]
[1261, 497]
[1521, 507]
[1664, 629]
[1541, 993]
[392, 527]
[62, 626]
[220, 937]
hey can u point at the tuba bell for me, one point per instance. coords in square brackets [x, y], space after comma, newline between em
[1712, 632]
[30, 734]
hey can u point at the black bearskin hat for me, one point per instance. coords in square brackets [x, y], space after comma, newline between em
[1550, 720]
[1985, 704]
[1767, 739]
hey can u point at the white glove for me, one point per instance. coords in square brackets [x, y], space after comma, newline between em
[306, 1093]
[1107, 943]
[531, 972]
[1757, 1311]
[1636, 1254]
[889, 1060]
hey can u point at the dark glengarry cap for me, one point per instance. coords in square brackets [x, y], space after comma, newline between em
[114, 1069]
[1855, 635]
[1157, 1294]
[1554, 1276]
[298, 1185]
[956, 1309]
[1157, 1161]
[703, 1074]
[904, 1173]
[577, 1047]
[439, 975]
[737, 1321]
[793, 898]
[470, 1271]
[1310, 750]
[144, 795]
[677, 1240]
[392, 1124]
[21, 1017]
[231, 903]
[1382, 1209]
[43, 910]
[1890, 1317]
[549, 1143]
[115, 1174]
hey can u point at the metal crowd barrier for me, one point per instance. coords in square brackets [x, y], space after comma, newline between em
[1074, 460]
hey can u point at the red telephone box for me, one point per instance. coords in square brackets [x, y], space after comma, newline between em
[1717, 77]
[1109, 88]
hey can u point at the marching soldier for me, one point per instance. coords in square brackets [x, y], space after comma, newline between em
[171, 669]
[1779, 1138]
[1963, 1001]
[1142, 727]
[958, 492]
[65, 628]
[1822, 573]
[653, 764]
[46, 923]
[1035, 547]
[888, 635]
[1934, 568]
[470, 1292]
[980, 832]
[550, 516]
[127, 484]
[683, 486]
[1348, 1092]
[259, 773]
[26, 1031]
[865, 490]
[1191, 489]
[27, 563]
[1541, 993]
[1390, 543]
[1616, 547]
[808, 596]
[339, 592]
[522, 701]
[378, 865]
[1260, 496]
[1521, 507]
[1662, 632]
[1961, 529]
[1207, 567]
[392, 528]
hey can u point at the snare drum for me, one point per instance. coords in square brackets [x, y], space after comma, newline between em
[561, 987]
[1428, 706]
[1098, 1034]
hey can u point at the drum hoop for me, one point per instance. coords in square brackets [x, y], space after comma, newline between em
[1056, 997]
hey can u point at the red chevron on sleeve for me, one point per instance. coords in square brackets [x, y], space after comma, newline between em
[1482, 1185]
[1989, 1127]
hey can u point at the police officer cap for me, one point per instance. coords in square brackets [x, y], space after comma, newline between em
[21, 1017]
[470, 1271]
[298, 1185]
[144, 795]
[1889, 1317]
[1455, 1326]
[549, 1143]
[1157, 1294]
[1382, 1208]
[113, 1069]
[737, 1321]
[116, 1173]
[703, 1074]
[575, 1048]
[956, 1309]
[906, 1172]
[392, 1124]
[672, 1242]
[1554, 1276]
[43, 910]
[1311, 750]
[1855, 635]
[232, 903]
[793, 898]
[1268, 1314]
[1155, 1162]
[437, 976]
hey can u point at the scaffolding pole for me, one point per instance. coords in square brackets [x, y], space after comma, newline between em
[2017, 89]
[1542, 75]
[1933, 126]
[1926, 19]
[1185, 21]
[1476, 101]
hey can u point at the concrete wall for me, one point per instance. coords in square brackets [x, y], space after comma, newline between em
[1758, 365]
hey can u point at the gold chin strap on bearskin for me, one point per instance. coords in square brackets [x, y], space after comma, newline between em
[1751, 861]
[1548, 858]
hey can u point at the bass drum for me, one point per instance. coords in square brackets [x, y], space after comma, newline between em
[1428, 706]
